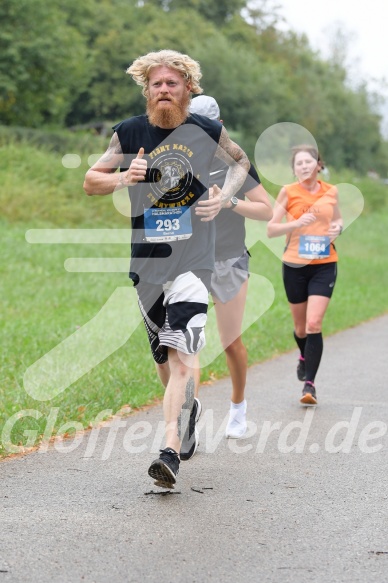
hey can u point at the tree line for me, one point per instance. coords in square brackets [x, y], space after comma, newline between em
[63, 64]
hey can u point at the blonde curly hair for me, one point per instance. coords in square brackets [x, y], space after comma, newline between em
[185, 65]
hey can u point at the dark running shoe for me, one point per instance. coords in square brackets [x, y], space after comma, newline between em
[309, 396]
[165, 469]
[301, 369]
[190, 439]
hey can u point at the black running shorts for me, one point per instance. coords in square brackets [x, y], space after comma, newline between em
[300, 282]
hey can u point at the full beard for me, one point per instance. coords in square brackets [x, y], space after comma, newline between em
[168, 117]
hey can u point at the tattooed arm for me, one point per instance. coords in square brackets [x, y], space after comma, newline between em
[102, 177]
[238, 162]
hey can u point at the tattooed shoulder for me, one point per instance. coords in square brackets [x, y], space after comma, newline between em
[114, 149]
[226, 148]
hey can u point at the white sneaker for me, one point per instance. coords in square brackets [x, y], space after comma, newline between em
[237, 424]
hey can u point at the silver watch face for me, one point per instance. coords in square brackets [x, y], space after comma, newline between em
[234, 201]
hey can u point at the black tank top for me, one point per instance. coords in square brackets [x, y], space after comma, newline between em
[167, 237]
[230, 226]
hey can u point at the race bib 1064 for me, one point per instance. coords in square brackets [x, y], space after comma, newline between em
[314, 247]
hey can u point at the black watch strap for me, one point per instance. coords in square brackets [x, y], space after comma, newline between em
[233, 202]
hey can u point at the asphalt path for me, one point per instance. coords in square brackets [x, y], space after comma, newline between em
[303, 498]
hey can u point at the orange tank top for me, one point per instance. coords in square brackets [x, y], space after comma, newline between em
[310, 244]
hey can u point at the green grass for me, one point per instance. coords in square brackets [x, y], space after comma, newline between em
[42, 304]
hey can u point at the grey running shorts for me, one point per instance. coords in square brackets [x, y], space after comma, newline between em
[228, 277]
[174, 314]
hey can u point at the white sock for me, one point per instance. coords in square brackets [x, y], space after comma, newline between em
[237, 424]
[238, 406]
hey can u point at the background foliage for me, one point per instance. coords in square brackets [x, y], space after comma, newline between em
[63, 64]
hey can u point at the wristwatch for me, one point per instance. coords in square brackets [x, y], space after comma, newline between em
[233, 202]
